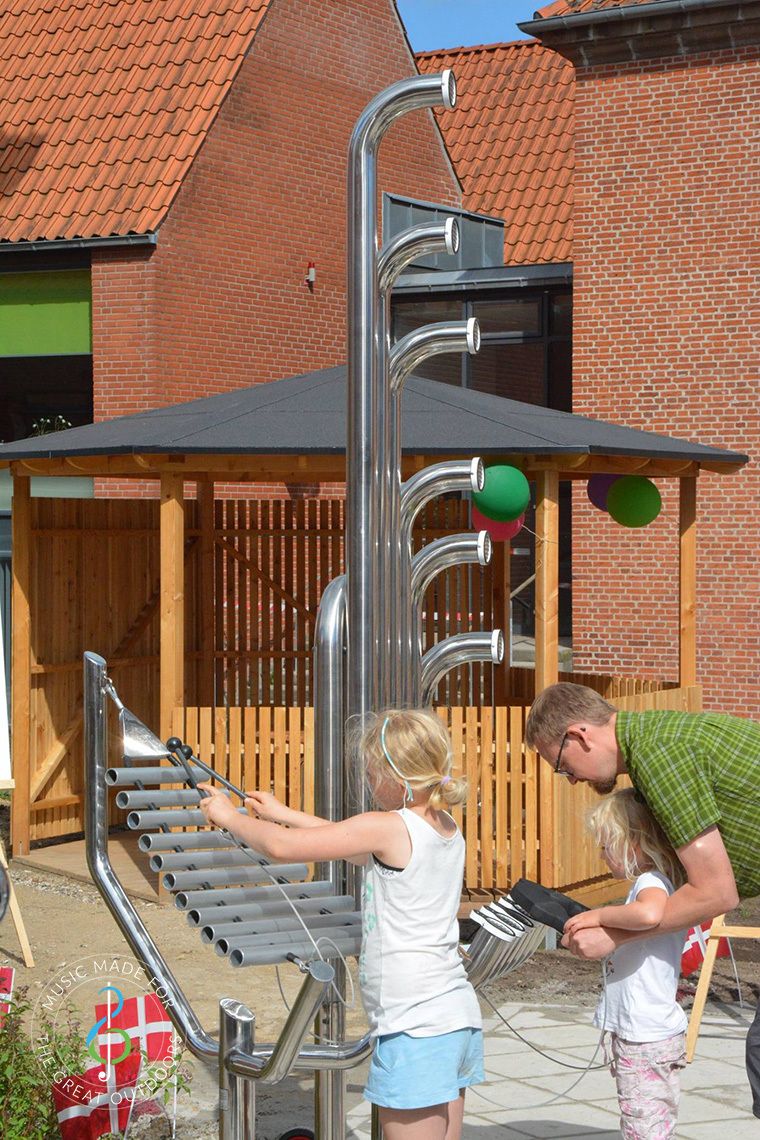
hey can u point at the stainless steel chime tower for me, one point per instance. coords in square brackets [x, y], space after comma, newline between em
[367, 656]
[367, 647]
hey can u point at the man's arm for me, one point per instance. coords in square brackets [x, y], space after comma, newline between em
[710, 890]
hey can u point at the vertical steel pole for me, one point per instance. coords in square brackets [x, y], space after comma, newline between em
[369, 411]
[237, 1095]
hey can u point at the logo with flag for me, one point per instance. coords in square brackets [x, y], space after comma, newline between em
[7, 979]
[695, 948]
[97, 1102]
[141, 1020]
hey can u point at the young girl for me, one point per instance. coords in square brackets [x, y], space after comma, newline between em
[639, 1009]
[423, 1012]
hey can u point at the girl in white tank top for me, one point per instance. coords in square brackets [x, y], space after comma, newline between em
[422, 1010]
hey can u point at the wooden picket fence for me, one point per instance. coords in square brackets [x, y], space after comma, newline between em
[518, 820]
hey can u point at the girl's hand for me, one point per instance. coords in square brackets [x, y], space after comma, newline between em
[584, 921]
[266, 806]
[217, 807]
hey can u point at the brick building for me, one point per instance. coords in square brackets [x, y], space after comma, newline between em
[169, 172]
[643, 118]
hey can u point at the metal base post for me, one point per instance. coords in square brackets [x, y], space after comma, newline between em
[237, 1095]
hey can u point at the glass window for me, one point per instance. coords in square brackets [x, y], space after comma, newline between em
[518, 315]
[44, 393]
[561, 314]
[560, 375]
[409, 315]
[512, 370]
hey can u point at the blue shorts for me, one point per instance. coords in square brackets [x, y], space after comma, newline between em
[419, 1072]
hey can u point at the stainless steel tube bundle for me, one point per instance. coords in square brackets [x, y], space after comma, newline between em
[457, 650]
[431, 340]
[124, 777]
[248, 923]
[250, 873]
[224, 898]
[452, 550]
[185, 841]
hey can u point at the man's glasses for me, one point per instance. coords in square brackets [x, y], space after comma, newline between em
[558, 769]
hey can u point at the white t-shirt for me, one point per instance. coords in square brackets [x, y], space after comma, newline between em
[411, 974]
[642, 978]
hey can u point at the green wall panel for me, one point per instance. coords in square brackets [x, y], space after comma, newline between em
[46, 314]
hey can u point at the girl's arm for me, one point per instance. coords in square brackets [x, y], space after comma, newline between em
[644, 913]
[370, 833]
[267, 806]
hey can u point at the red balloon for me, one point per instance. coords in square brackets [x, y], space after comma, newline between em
[499, 531]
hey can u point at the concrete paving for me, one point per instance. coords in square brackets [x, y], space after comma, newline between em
[529, 1095]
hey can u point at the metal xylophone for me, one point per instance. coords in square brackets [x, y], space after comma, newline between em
[253, 912]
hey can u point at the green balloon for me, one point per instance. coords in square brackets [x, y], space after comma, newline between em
[505, 495]
[633, 501]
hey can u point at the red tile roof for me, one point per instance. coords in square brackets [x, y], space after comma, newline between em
[105, 106]
[510, 139]
[575, 7]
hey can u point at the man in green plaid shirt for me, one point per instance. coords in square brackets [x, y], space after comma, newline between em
[700, 776]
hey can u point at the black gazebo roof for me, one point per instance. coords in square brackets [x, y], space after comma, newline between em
[306, 415]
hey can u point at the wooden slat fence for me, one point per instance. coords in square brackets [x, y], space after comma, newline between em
[273, 748]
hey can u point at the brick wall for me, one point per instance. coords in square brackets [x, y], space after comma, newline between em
[666, 320]
[221, 302]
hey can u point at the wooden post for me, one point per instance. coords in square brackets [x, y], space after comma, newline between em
[547, 579]
[687, 581]
[718, 930]
[501, 609]
[172, 652]
[547, 653]
[21, 663]
[205, 493]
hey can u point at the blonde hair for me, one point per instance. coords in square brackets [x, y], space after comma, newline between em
[621, 820]
[419, 746]
[561, 705]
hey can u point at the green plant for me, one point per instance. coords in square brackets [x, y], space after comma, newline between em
[26, 1102]
[27, 1070]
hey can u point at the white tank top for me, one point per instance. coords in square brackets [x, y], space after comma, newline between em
[411, 974]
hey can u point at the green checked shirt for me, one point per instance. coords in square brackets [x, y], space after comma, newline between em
[695, 770]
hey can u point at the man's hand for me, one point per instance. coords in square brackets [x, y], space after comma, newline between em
[592, 942]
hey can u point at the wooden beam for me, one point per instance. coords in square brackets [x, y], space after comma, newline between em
[205, 495]
[547, 579]
[172, 604]
[687, 581]
[21, 660]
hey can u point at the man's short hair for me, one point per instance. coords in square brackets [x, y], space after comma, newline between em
[561, 705]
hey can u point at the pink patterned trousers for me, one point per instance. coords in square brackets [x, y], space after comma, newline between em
[648, 1085]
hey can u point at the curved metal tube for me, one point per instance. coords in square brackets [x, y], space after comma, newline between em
[368, 398]
[96, 839]
[458, 650]
[452, 550]
[439, 479]
[318, 977]
[431, 340]
[411, 244]
[181, 1013]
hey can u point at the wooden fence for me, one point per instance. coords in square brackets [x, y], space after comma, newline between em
[518, 820]
[252, 587]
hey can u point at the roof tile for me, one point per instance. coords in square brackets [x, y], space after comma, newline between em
[105, 106]
[511, 142]
[575, 7]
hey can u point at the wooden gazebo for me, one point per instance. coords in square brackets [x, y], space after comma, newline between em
[68, 555]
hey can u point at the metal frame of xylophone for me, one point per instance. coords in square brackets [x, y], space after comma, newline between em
[240, 1061]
